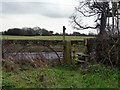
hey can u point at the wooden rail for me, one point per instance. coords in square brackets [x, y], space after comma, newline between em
[81, 57]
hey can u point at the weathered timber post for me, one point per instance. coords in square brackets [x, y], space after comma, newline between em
[64, 34]
[73, 54]
[68, 52]
[67, 49]
[64, 44]
[86, 50]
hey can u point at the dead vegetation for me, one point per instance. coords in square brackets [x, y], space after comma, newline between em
[15, 61]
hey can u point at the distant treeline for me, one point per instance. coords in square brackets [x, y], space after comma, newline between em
[37, 31]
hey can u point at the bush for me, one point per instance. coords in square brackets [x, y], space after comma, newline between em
[99, 49]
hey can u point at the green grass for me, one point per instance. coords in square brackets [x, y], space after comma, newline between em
[5, 37]
[62, 77]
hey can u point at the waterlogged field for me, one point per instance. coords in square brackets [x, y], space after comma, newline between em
[5, 37]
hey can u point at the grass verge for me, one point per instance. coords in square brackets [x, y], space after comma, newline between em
[97, 76]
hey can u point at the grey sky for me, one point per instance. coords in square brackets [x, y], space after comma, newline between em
[45, 9]
[49, 14]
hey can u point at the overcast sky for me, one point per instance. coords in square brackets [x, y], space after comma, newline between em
[49, 14]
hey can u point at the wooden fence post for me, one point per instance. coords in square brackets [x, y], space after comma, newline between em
[67, 49]
[68, 52]
[64, 44]
[73, 54]
[86, 50]
[64, 33]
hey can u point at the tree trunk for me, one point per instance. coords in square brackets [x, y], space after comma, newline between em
[103, 21]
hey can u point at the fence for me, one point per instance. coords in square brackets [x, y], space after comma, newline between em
[44, 50]
[48, 51]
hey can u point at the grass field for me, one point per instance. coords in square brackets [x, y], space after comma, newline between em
[43, 37]
[98, 76]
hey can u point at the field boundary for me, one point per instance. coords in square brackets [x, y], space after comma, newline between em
[5, 37]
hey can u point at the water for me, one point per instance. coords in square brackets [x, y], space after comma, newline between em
[35, 55]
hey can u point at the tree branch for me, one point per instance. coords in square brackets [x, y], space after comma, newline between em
[81, 27]
[84, 14]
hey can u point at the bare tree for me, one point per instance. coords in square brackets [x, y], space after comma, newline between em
[94, 8]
